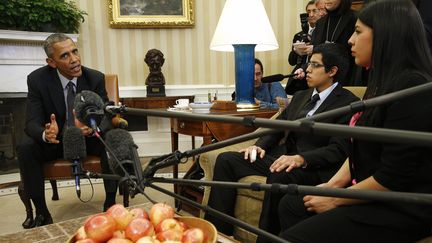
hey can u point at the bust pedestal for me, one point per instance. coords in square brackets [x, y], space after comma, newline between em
[156, 91]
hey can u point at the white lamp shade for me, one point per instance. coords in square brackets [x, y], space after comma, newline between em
[243, 22]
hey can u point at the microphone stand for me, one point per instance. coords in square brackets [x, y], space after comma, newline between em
[252, 121]
[303, 125]
[294, 189]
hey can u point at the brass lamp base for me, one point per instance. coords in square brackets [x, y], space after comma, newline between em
[248, 106]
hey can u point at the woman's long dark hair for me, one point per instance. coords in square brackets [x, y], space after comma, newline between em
[399, 44]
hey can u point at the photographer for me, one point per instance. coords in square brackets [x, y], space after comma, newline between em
[299, 52]
[336, 27]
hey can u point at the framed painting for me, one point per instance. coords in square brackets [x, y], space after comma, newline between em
[151, 13]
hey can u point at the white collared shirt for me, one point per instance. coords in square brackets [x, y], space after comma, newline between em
[323, 95]
[64, 81]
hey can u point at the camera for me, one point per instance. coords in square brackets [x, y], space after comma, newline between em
[304, 26]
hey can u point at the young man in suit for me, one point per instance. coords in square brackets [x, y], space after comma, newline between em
[304, 158]
[49, 114]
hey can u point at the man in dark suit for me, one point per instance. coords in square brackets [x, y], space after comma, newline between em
[299, 52]
[304, 158]
[49, 114]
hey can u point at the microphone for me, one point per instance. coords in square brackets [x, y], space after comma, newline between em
[276, 78]
[89, 108]
[125, 150]
[74, 149]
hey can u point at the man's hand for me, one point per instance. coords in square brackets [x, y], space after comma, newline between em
[85, 130]
[319, 204]
[303, 49]
[51, 130]
[257, 101]
[300, 73]
[287, 161]
[248, 152]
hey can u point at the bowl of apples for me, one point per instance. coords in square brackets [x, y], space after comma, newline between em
[121, 225]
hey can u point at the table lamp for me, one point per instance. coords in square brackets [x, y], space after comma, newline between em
[244, 28]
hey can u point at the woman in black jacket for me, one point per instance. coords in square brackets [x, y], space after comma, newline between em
[396, 51]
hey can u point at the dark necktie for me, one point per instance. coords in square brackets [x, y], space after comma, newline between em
[309, 106]
[70, 98]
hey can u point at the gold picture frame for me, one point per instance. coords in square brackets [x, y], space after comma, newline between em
[151, 14]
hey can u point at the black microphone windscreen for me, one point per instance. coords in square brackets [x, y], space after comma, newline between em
[273, 78]
[74, 146]
[121, 143]
[84, 100]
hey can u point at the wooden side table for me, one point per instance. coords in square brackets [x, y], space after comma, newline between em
[139, 123]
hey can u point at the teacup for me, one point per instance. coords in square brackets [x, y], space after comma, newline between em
[182, 102]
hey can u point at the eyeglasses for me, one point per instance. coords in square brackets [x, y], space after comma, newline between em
[315, 65]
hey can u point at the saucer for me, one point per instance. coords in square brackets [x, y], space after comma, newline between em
[201, 105]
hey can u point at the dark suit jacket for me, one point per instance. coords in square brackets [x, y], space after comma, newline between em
[45, 97]
[341, 36]
[321, 153]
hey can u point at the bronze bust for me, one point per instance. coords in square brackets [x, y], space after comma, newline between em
[155, 59]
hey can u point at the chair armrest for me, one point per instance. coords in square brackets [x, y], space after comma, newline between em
[208, 160]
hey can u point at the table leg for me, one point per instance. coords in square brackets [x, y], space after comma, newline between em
[193, 146]
[174, 147]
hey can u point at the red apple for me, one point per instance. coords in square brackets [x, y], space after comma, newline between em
[138, 228]
[121, 215]
[171, 234]
[193, 235]
[183, 225]
[100, 227]
[80, 234]
[86, 241]
[159, 212]
[139, 213]
[147, 239]
[121, 234]
[118, 240]
[167, 224]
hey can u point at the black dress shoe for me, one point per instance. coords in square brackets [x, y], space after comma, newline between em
[41, 220]
[28, 222]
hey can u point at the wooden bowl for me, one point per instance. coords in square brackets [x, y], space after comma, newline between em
[208, 228]
[192, 222]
